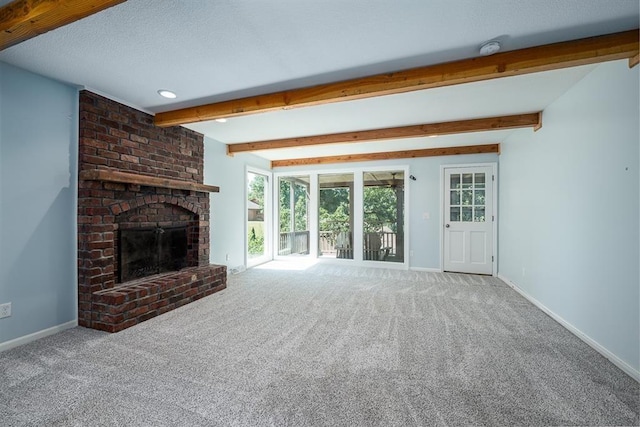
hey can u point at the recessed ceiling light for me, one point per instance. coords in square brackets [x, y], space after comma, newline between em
[221, 120]
[167, 94]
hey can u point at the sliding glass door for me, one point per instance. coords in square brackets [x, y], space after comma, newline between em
[335, 215]
[258, 217]
[293, 215]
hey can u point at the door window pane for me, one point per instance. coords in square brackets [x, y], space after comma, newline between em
[467, 180]
[467, 214]
[467, 197]
[455, 214]
[455, 197]
[455, 181]
[478, 214]
[480, 180]
[478, 197]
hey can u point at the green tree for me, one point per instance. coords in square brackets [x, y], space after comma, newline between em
[380, 208]
[256, 243]
[301, 199]
[334, 210]
[332, 198]
[255, 189]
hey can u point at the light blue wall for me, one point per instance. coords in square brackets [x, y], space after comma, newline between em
[38, 170]
[424, 198]
[227, 223]
[227, 226]
[569, 206]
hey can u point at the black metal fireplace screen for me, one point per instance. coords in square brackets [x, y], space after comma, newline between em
[147, 251]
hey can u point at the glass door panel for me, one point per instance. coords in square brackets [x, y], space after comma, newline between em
[293, 215]
[383, 216]
[259, 222]
[335, 215]
[256, 230]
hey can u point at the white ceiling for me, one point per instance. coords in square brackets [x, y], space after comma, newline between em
[217, 50]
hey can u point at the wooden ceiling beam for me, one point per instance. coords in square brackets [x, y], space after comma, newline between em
[634, 60]
[406, 154]
[21, 20]
[533, 120]
[555, 56]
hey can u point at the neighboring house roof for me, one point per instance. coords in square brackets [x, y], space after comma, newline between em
[253, 206]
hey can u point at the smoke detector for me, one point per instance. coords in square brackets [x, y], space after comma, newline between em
[490, 47]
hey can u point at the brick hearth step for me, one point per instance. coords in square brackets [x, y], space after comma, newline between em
[138, 300]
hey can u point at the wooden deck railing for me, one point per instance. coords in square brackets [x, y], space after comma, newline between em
[298, 243]
[295, 242]
[327, 242]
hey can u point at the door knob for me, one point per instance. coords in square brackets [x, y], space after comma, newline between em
[447, 225]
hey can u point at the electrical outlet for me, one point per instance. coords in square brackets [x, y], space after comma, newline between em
[227, 257]
[5, 310]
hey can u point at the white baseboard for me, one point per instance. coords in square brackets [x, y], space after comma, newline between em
[628, 369]
[427, 269]
[37, 335]
[236, 270]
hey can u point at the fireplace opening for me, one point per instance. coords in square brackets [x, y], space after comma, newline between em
[148, 251]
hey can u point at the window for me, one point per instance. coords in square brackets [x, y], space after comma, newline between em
[293, 215]
[383, 216]
[335, 216]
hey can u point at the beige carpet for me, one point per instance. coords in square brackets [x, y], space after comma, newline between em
[324, 346]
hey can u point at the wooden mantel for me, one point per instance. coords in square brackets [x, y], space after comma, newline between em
[109, 175]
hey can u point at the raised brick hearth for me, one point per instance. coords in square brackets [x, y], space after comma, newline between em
[117, 142]
[122, 306]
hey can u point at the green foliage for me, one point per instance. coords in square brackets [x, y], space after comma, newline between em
[331, 199]
[335, 221]
[256, 190]
[256, 243]
[380, 208]
[301, 207]
[380, 204]
[255, 193]
[334, 210]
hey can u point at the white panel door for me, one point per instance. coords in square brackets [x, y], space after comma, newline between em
[468, 219]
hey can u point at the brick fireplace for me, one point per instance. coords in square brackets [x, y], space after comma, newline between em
[135, 176]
